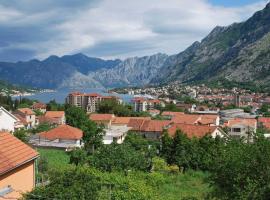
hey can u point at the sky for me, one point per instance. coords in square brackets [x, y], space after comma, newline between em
[112, 28]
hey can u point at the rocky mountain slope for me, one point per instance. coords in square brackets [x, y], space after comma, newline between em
[239, 52]
[76, 71]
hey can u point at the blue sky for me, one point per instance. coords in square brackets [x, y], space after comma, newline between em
[112, 28]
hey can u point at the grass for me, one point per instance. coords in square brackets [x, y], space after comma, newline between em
[56, 158]
[179, 186]
[172, 186]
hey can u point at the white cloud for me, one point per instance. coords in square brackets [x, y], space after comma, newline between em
[152, 25]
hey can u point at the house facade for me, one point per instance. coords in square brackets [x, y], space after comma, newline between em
[57, 117]
[8, 121]
[39, 106]
[17, 167]
[63, 136]
[242, 128]
[27, 117]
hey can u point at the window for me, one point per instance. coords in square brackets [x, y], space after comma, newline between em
[238, 130]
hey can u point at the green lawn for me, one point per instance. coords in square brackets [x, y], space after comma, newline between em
[191, 184]
[56, 158]
[175, 186]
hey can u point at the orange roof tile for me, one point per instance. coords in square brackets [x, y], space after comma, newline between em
[208, 119]
[39, 105]
[22, 120]
[155, 125]
[26, 111]
[121, 120]
[243, 121]
[136, 124]
[101, 117]
[169, 113]
[63, 132]
[13, 152]
[138, 99]
[54, 114]
[191, 130]
[186, 119]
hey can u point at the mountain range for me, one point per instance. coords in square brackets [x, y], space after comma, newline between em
[239, 52]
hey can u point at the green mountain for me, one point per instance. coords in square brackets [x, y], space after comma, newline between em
[239, 52]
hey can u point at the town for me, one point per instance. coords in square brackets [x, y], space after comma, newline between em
[202, 113]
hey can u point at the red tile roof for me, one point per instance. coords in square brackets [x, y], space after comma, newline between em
[63, 132]
[121, 120]
[138, 99]
[136, 124]
[265, 122]
[26, 111]
[208, 119]
[126, 120]
[186, 119]
[39, 105]
[13, 152]
[191, 130]
[54, 114]
[93, 95]
[155, 125]
[243, 121]
[22, 120]
[101, 117]
[169, 113]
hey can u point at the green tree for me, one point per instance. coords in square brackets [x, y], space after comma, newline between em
[120, 157]
[42, 127]
[75, 183]
[78, 156]
[93, 133]
[242, 171]
[21, 135]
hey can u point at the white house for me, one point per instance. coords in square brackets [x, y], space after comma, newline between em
[115, 134]
[242, 128]
[63, 136]
[8, 122]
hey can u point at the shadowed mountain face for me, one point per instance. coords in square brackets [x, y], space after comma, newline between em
[239, 52]
[79, 70]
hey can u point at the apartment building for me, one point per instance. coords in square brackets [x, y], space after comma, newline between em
[88, 102]
[142, 104]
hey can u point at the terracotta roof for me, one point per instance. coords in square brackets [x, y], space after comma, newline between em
[76, 94]
[125, 120]
[121, 120]
[136, 124]
[22, 120]
[13, 152]
[93, 95]
[39, 105]
[54, 114]
[43, 119]
[191, 130]
[264, 119]
[169, 113]
[139, 99]
[63, 132]
[155, 125]
[186, 119]
[26, 111]
[242, 121]
[101, 117]
[208, 119]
